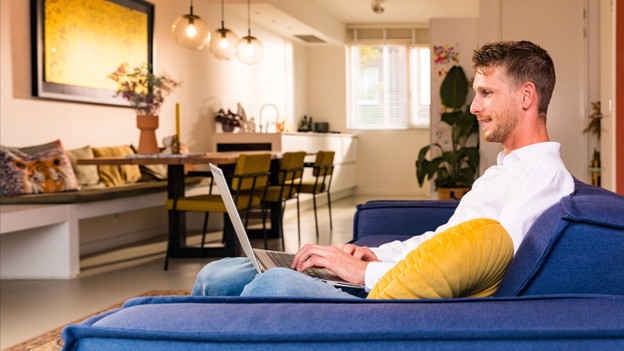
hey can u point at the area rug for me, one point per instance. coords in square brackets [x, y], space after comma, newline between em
[52, 340]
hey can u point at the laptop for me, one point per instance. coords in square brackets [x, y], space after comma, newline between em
[264, 260]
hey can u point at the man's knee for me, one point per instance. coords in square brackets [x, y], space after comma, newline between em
[226, 277]
[276, 282]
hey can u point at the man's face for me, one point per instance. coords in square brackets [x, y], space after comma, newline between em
[495, 104]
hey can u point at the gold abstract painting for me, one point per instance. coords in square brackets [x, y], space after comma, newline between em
[85, 40]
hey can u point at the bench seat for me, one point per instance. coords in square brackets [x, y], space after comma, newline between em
[40, 233]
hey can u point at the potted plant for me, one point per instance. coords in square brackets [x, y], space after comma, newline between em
[453, 170]
[229, 121]
[145, 92]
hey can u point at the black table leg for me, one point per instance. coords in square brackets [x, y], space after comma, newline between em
[177, 247]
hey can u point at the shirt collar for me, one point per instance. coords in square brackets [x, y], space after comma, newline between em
[526, 151]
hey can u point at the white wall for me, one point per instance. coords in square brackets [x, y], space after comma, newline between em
[327, 90]
[208, 84]
[607, 95]
[567, 113]
[385, 163]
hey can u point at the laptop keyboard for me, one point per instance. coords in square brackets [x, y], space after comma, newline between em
[285, 260]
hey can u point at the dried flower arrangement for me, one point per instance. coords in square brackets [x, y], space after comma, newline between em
[144, 90]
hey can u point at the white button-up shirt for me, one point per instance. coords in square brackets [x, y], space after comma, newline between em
[515, 192]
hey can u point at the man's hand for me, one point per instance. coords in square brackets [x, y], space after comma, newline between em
[360, 252]
[346, 261]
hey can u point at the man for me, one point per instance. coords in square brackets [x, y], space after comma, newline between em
[513, 83]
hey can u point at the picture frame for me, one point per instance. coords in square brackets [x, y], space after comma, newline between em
[74, 47]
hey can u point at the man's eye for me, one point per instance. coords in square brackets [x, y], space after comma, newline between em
[486, 93]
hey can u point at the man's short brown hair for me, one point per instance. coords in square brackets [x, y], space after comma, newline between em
[523, 62]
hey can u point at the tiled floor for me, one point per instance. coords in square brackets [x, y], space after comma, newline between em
[31, 307]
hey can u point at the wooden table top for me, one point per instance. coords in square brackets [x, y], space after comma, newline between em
[180, 159]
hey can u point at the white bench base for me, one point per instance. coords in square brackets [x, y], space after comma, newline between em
[42, 241]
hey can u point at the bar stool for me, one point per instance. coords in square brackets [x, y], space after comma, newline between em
[289, 181]
[322, 170]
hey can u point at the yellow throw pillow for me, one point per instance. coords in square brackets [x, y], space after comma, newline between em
[468, 260]
[116, 175]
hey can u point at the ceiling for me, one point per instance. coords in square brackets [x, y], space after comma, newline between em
[326, 19]
[398, 11]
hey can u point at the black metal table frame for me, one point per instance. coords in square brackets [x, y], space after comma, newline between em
[177, 246]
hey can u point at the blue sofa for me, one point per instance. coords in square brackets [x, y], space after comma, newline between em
[564, 290]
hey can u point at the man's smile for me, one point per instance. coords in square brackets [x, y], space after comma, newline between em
[484, 121]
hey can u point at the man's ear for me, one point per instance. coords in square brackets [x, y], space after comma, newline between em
[529, 95]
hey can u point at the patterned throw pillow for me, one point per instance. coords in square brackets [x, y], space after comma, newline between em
[36, 169]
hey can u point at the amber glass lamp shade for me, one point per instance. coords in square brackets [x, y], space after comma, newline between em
[249, 50]
[191, 32]
[223, 43]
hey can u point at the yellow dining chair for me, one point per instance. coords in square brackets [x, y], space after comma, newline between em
[322, 170]
[289, 181]
[248, 186]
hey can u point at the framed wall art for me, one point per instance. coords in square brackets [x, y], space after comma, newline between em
[77, 43]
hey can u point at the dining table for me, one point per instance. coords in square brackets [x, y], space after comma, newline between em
[177, 243]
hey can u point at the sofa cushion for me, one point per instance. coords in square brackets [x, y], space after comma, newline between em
[400, 217]
[226, 323]
[36, 169]
[573, 247]
[467, 260]
[111, 175]
[86, 174]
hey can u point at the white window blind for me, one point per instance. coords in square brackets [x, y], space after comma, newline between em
[389, 87]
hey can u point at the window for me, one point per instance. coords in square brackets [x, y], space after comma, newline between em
[388, 87]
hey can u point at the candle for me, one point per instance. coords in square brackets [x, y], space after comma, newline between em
[178, 120]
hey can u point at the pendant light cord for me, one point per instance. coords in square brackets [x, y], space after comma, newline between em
[222, 15]
[248, 18]
[191, 7]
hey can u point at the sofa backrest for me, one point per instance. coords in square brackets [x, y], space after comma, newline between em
[576, 246]
[396, 218]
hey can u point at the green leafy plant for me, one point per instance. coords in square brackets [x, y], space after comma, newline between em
[455, 167]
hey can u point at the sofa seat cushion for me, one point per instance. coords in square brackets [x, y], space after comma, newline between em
[467, 260]
[199, 323]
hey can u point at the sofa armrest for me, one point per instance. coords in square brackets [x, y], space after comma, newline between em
[400, 217]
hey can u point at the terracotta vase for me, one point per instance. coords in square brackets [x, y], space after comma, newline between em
[147, 139]
[452, 193]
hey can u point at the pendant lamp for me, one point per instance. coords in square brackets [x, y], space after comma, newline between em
[223, 42]
[190, 31]
[249, 49]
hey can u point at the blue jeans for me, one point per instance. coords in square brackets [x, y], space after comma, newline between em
[237, 277]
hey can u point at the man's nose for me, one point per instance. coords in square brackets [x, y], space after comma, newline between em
[475, 106]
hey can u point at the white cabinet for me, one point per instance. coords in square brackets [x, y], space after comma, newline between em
[345, 146]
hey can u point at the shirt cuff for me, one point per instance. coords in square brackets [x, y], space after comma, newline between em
[374, 272]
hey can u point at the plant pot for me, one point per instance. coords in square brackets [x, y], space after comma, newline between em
[147, 139]
[452, 193]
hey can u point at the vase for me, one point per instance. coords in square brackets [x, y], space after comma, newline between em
[452, 193]
[147, 139]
